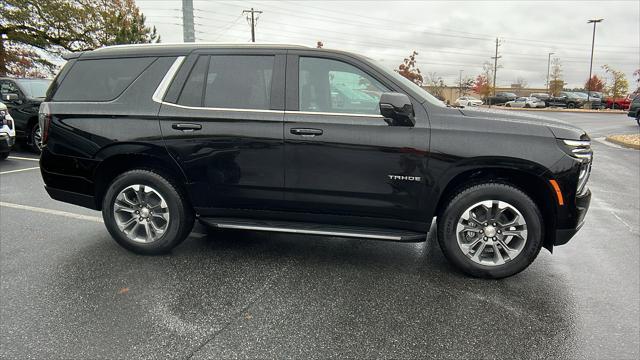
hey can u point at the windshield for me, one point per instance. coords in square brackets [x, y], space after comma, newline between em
[424, 94]
[34, 88]
[582, 95]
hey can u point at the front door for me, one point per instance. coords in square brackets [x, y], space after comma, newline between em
[341, 157]
[224, 129]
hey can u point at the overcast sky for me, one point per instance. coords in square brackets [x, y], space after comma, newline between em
[449, 36]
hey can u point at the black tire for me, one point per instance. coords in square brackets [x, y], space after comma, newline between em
[527, 105]
[181, 213]
[35, 144]
[507, 105]
[4, 155]
[448, 220]
[571, 106]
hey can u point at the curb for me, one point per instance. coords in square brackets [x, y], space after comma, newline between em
[622, 143]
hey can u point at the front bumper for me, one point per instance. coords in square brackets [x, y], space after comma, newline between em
[582, 206]
[6, 142]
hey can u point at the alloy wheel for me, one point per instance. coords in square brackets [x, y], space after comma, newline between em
[141, 213]
[491, 232]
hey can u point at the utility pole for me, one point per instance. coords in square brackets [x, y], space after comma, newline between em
[252, 20]
[593, 40]
[495, 66]
[188, 27]
[460, 84]
[549, 68]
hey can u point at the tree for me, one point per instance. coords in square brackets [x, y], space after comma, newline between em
[436, 85]
[482, 86]
[636, 74]
[520, 83]
[619, 85]
[409, 70]
[556, 84]
[594, 84]
[319, 45]
[465, 86]
[33, 33]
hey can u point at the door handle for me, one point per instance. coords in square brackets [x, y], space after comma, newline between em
[306, 132]
[186, 126]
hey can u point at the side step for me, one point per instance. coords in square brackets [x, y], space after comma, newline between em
[314, 229]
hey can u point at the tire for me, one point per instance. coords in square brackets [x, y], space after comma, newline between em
[4, 155]
[527, 105]
[488, 266]
[508, 105]
[157, 187]
[35, 139]
[571, 106]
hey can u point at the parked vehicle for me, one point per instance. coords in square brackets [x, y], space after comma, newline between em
[634, 109]
[525, 102]
[566, 99]
[23, 98]
[218, 133]
[596, 103]
[501, 98]
[7, 132]
[468, 101]
[540, 96]
[622, 103]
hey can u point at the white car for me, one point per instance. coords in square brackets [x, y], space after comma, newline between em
[467, 101]
[7, 132]
[525, 102]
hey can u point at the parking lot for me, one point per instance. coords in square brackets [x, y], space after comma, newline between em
[69, 291]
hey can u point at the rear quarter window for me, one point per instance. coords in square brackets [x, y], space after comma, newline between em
[100, 79]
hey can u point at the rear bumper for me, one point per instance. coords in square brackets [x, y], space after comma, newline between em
[67, 178]
[582, 206]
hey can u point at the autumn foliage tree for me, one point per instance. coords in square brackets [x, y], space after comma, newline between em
[33, 33]
[409, 70]
[619, 86]
[556, 83]
[482, 86]
[594, 84]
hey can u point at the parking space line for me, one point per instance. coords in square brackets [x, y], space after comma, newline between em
[23, 158]
[68, 214]
[51, 211]
[19, 170]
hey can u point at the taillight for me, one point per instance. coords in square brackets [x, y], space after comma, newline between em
[44, 120]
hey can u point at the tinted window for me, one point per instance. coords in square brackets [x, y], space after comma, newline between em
[191, 94]
[34, 88]
[333, 86]
[100, 80]
[237, 81]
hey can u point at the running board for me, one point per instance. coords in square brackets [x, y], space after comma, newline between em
[314, 229]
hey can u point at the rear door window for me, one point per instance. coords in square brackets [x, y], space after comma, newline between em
[100, 79]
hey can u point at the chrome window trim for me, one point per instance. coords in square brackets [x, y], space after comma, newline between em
[219, 109]
[334, 114]
[161, 90]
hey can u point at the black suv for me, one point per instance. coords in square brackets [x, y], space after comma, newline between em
[310, 141]
[23, 97]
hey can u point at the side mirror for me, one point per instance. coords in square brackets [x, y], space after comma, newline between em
[10, 97]
[397, 109]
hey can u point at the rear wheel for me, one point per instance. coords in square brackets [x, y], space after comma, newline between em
[490, 230]
[571, 105]
[527, 105]
[35, 138]
[4, 155]
[146, 213]
[508, 105]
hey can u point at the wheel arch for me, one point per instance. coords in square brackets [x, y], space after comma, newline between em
[530, 179]
[122, 157]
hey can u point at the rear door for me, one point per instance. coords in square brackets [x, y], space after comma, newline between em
[222, 122]
[341, 157]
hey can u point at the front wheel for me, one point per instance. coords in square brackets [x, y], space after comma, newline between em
[490, 230]
[508, 105]
[571, 105]
[146, 213]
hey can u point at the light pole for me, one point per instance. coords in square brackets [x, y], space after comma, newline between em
[548, 68]
[593, 40]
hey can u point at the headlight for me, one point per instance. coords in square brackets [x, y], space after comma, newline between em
[580, 149]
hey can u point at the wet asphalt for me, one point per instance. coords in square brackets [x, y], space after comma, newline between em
[68, 291]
